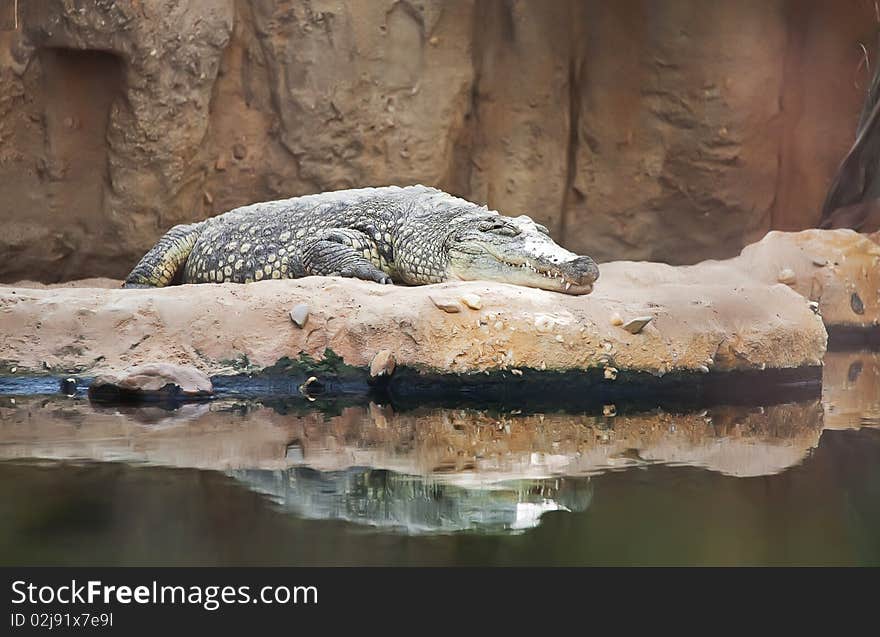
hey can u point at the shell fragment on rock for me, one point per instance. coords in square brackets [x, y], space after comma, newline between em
[637, 324]
[300, 315]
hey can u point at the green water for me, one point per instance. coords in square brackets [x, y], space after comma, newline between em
[246, 482]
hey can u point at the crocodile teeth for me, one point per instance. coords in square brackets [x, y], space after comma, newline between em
[567, 285]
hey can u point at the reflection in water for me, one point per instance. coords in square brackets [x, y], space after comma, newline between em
[851, 389]
[424, 470]
[414, 503]
[460, 446]
[430, 471]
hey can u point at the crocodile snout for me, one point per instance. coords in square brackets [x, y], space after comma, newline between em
[582, 271]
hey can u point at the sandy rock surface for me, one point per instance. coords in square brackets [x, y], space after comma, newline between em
[838, 269]
[712, 316]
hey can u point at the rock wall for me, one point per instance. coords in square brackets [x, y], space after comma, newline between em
[670, 131]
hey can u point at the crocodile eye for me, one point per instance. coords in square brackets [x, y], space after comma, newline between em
[498, 227]
[542, 229]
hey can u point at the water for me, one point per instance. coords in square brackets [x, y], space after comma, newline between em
[290, 482]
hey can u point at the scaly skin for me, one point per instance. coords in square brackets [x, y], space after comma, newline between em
[413, 235]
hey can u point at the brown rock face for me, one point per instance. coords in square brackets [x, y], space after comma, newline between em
[672, 131]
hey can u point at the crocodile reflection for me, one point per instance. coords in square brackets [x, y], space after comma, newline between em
[417, 504]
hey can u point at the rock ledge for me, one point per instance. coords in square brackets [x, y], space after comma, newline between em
[708, 317]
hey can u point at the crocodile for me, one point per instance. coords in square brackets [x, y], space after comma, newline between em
[413, 235]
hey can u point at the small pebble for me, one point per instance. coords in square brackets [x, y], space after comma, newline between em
[855, 302]
[300, 315]
[787, 276]
[543, 323]
[447, 305]
[616, 319]
[472, 301]
[609, 410]
[610, 373]
[239, 151]
[636, 325]
[68, 387]
[311, 383]
[516, 372]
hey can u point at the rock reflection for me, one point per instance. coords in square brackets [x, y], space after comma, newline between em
[851, 389]
[459, 446]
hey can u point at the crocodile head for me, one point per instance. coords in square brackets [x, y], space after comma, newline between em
[515, 250]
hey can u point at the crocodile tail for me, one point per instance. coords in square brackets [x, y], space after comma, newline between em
[161, 265]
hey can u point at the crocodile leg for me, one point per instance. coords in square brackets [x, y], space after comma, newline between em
[344, 252]
[162, 263]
